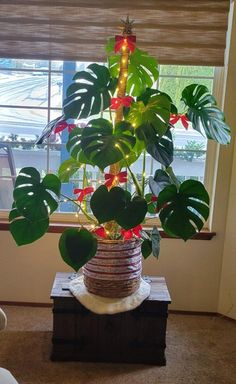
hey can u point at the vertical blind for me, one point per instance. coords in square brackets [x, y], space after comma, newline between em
[175, 32]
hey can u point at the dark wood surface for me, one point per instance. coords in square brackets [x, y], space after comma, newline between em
[136, 336]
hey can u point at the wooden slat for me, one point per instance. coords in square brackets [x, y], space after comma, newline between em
[183, 32]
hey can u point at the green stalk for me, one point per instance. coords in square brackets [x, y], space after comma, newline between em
[85, 184]
[143, 172]
[135, 180]
[82, 210]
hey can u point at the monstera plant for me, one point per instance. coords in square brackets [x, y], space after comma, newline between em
[141, 121]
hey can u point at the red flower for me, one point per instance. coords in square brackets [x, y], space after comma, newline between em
[116, 102]
[128, 41]
[153, 198]
[83, 192]
[100, 232]
[121, 177]
[182, 117]
[130, 232]
[63, 125]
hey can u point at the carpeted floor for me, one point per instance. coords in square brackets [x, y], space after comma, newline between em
[200, 350]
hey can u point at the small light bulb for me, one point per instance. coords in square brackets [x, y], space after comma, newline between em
[144, 174]
[116, 178]
[76, 215]
[127, 156]
[117, 145]
[121, 81]
[93, 226]
[125, 74]
[68, 169]
[107, 232]
[65, 200]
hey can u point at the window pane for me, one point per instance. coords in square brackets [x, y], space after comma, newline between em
[57, 65]
[56, 90]
[24, 64]
[183, 70]
[6, 190]
[24, 88]
[16, 123]
[175, 85]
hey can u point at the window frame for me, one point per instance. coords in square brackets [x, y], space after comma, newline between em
[211, 162]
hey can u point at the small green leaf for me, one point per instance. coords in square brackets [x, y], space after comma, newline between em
[204, 115]
[160, 180]
[67, 169]
[156, 238]
[77, 247]
[146, 248]
[162, 149]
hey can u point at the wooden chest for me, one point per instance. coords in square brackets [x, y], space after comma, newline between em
[137, 336]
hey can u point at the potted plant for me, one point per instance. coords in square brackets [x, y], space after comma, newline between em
[141, 120]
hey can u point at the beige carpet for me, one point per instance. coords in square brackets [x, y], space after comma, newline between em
[200, 350]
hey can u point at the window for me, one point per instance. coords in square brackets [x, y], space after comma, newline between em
[31, 95]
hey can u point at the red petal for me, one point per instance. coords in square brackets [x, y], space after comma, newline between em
[100, 232]
[127, 234]
[60, 126]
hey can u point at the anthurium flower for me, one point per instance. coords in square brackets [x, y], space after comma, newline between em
[63, 125]
[83, 192]
[131, 232]
[116, 102]
[182, 117]
[121, 177]
[100, 232]
[128, 41]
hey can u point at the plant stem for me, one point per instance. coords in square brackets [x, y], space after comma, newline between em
[143, 172]
[82, 210]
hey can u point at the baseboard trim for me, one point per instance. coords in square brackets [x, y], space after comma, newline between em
[26, 304]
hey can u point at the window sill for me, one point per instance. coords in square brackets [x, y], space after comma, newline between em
[60, 227]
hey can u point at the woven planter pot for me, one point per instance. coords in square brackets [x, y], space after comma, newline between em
[115, 270]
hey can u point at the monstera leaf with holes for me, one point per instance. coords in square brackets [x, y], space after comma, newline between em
[142, 70]
[90, 92]
[183, 211]
[204, 115]
[104, 146]
[150, 119]
[73, 146]
[34, 201]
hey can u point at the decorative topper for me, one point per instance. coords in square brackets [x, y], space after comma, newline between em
[121, 177]
[63, 125]
[126, 41]
[116, 102]
[83, 192]
[182, 117]
[131, 232]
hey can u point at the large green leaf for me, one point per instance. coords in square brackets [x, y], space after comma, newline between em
[162, 149]
[77, 247]
[106, 204]
[117, 205]
[142, 69]
[73, 146]
[89, 94]
[35, 199]
[104, 146]
[183, 211]
[67, 169]
[25, 231]
[133, 213]
[205, 116]
[150, 119]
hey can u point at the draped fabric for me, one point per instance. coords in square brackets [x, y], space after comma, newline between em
[176, 32]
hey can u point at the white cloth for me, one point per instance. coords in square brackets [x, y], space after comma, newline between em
[6, 377]
[104, 305]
